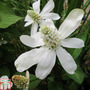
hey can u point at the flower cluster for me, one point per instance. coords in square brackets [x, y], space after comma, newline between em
[50, 40]
[20, 81]
[36, 17]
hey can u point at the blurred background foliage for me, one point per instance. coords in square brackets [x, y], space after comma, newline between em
[12, 14]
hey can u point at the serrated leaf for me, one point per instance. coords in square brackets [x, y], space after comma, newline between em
[7, 17]
[78, 76]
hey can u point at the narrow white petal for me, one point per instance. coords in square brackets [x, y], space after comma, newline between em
[66, 60]
[28, 23]
[72, 43]
[33, 41]
[28, 59]
[28, 18]
[46, 64]
[48, 7]
[36, 6]
[52, 16]
[71, 23]
[34, 28]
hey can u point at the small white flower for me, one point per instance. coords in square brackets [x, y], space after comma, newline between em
[50, 39]
[36, 17]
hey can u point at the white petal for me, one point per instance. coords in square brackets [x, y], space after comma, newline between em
[36, 6]
[46, 64]
[42, 22]
[28, 23]
[66, 60]
[71, 23]
[34, 28]
[48, 7]
[72, 43]
[52, 16]
[49, 23]
[28, 18]
[33, 41]
[28, 59]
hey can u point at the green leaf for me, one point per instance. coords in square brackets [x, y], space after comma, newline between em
[86, 4]
[7, 17]
[78, 76]
[4, 71]
[34, 82]
[76, 52]
[73, 84]
[53, 85]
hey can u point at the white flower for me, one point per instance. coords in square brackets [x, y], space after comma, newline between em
[50, 39]
[35, 16]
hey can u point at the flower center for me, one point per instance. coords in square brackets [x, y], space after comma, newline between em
[36, 17]
[50, 37]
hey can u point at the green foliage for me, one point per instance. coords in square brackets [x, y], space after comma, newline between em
[73, 84]
[12, 14]
[76, 52]
[7, 17]
[78, 76]
[53, 85]
[74, 4]
[34, 82]
[58, 9]
[86, 4]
